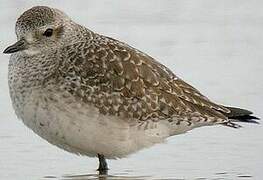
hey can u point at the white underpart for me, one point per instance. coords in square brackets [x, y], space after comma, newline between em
[81, 129]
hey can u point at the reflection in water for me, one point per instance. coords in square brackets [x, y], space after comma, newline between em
[98, 177]
[127, 176]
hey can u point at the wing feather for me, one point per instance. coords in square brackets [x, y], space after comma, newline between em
[143, 88]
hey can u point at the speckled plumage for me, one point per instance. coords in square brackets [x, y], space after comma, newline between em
[90, 94]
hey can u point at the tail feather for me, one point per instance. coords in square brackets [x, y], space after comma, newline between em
[239, 115]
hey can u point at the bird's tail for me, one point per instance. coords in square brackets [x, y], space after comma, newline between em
[239, 115]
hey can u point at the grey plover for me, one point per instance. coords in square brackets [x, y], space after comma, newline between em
[93, 95]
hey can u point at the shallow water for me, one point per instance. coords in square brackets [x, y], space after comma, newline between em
[214, 45]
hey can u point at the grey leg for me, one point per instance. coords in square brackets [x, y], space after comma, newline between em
[103, 167]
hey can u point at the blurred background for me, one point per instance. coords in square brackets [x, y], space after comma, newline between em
[214, 45]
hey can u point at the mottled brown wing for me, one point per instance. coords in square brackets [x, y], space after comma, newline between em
[123, 81]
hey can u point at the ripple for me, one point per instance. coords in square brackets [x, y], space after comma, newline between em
[102, 177]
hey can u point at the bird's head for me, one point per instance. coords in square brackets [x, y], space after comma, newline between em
[39, 29]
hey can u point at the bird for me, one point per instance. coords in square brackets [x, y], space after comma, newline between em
[96, 96]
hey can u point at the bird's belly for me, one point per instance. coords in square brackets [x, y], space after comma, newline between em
[81, 129]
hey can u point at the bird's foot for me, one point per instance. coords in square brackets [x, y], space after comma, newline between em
[103, 167]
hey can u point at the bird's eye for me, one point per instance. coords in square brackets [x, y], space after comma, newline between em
[48, 32]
